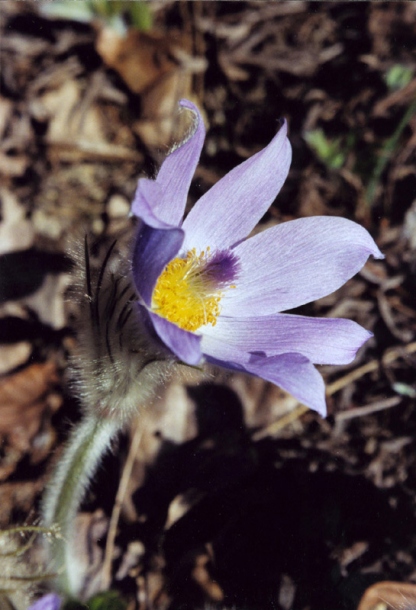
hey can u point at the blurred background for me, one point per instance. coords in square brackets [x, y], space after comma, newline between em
[233, 496]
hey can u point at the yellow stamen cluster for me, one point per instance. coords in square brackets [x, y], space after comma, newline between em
[184, 295]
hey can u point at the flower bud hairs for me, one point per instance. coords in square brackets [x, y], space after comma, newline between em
[200, 290]
[119, 361]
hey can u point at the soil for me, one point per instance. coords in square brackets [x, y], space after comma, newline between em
[236, 496]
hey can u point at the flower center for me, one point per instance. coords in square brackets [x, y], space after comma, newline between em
[189, 290]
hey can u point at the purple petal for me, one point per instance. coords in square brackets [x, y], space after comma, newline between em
[153, 250]
[233, 206]
[167, 195]
[223, 351]
[47, 602]
[295, 374]
[185, 345]
[321, 340]
[292, 372]
[297, 262]
[147, 193]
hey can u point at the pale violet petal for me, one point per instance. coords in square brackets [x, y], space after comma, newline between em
[290, 371]
[321, 340]
[296, 262]
[167, 195]
[153, 250]
[295, 374]
[185, 345]
[213, 346]
[233, 206]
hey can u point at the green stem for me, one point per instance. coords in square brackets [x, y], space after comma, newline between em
[88, 442]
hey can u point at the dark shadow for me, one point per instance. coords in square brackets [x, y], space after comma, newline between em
[255, 517]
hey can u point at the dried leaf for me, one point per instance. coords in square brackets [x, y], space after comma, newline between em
[70, 118]
[16, 231]
[12, 356]
[23, 399]
[159, 69]
[140, 58]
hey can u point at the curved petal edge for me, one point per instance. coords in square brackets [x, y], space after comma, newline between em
[185, 345]
[167, 195]
[297, 262]
[295, 374]
[154, 248]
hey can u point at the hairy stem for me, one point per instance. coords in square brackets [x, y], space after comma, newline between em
[87, 444]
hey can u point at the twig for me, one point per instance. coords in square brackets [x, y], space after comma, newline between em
[380, 405]
[388, 357]
[100, 151]
[281, 423]
[340, 383]
[115, 515]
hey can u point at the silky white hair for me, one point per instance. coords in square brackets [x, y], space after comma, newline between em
[118, 363]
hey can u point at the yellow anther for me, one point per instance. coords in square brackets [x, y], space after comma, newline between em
[185, 295]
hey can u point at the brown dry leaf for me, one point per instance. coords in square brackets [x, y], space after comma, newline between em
[91, 528]
[201, 574]
[16, 140]
[16, 231]
[48, 301]
[79, 127]
[69, 119]
[140, 58]
[6, 110]
[158, 68]
[18, 496]
[160, 126]
[12, 356]
[389, 595]
[23, 399]
[15, 134]
[13, 166]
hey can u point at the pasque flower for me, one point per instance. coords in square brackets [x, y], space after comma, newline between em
[212, 294]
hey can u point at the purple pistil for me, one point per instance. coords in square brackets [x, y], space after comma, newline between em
[221, 268]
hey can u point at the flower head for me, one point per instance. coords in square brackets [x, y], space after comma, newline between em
[210, 293]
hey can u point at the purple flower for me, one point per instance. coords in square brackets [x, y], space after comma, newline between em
[51, 601]
[212, 294]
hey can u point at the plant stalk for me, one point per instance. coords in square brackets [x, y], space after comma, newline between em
[88, 443]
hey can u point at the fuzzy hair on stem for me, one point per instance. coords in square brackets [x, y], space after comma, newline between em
[116, 369]
[87, 444]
